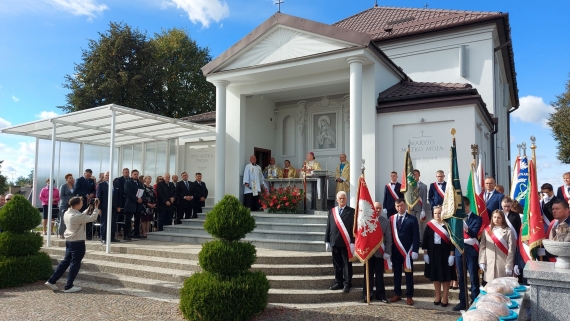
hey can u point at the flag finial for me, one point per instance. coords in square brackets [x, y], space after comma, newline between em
[533, 147]
[519, 146]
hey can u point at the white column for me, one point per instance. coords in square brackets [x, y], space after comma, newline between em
[355, 123]
[109, 225]
[50, 199]
[35, 185]
[220, 189]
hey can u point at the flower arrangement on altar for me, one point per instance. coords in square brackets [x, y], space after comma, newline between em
[282, 199]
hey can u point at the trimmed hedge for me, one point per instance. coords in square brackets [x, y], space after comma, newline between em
[19, 270]
[19, 215]
[226, 258]
[24, 244]
[214, 297]
[229, 219]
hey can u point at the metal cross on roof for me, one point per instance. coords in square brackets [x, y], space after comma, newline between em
[426, 5]
[278, 3]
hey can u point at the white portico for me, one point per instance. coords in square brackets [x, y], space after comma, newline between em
[289, 82]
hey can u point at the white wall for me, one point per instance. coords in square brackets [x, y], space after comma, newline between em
[430, 142]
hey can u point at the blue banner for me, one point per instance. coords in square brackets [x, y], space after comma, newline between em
[521, 185]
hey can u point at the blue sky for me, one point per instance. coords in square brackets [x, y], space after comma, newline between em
[42, 39]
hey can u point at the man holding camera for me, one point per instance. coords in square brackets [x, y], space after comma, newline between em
[133, 205]
[75, 222]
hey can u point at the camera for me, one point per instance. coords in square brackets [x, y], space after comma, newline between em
[92, 201]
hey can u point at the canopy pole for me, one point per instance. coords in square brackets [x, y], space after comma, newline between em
[35, 176]
[109, 224]
[50, 199]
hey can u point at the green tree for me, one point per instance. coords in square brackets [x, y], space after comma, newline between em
[3, 180]
[125, 67]
[559, 121]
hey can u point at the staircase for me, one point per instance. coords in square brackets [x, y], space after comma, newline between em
[157, 270]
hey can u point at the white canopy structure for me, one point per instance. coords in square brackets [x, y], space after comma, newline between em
[111, 126]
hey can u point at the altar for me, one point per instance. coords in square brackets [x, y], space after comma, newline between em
[316, 192]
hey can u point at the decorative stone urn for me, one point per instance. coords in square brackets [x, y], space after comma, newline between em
[560, 249]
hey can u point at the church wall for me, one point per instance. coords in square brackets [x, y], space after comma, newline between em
[259, 125]
[235, 136]
[428, 133]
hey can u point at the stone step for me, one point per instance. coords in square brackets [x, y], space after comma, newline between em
[290, 218]
[326, 280]
[297, 227]
[257, 233]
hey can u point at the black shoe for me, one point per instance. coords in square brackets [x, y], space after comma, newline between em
[103, 241]
[336, 287]
[437, 303]
[444, 305]
[195, 216]
[115, 241]
[136, 237]
[88, 238]
[383, 300]
[459, 307]
[127, 239]
[346, 289]
[363, 300]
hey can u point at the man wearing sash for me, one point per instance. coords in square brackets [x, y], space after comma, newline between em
[380, 262]
[391, 194]
[546, 202]
[561, 213]
[564, 190]
[342, 175]
[252, 183]
[340, 240]
[514, 223]
[422, 210]
[437, 190]
[471, 228]
[405, 246]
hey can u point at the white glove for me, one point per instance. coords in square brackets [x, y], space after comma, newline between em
[451, 260]
[509, 272]
[414, 256]
[541, 251]
[516, 270]
[385, 211]
[328, 247]
[465, 225]
[423, 215]
[386, 256]
[426, 258]
[352, 248]
[483, 266]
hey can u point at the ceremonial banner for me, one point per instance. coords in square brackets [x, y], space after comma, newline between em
[409, 185]
[477, 204]
[520, 181]
[532, 230]
[367, 230]
[453, 211]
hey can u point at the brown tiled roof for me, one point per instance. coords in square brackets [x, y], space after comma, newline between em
[210, 115]
[391, 22]
[409, 89]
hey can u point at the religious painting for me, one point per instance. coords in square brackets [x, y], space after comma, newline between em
[324, 131]
[325, 127]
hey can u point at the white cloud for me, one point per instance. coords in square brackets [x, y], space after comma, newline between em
[27, 148]
[204, 11]
[16, 99]
[533, 110]
[46, 115]
[89, 8]
[4, 123]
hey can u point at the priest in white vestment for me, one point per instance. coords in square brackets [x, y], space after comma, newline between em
[252, 183]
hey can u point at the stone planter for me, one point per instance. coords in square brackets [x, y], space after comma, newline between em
[560, 249]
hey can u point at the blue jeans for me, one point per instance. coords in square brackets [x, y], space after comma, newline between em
[74, 253]
[471, 257]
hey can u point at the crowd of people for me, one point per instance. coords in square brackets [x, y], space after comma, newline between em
[138, 205]
[491, 250]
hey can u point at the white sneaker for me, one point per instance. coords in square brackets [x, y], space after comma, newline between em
[73, 289]
[51, 286]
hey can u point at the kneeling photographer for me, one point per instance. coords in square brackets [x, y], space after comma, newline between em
[76, 223]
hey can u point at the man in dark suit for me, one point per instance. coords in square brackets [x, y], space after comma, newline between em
[119, 198]
[437, 189]
[103, 196]
[471, 228]
[376, 262]
[514, 223]
[335, 242]
[166, 198]
[200, 195]
[133, 205]
[563, 192]
[85, 187]
[492, 197]
[546, 202]
[391, 194]
[406, 239]
[185, 195]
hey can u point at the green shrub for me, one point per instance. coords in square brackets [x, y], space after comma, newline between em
[214, 297]
[19, 215]
[229, 219]
[19, 270]
[227, 258]
[27, 243]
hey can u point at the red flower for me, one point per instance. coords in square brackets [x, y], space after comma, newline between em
[287, 204]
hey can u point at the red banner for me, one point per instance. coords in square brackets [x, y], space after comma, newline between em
[367, 230]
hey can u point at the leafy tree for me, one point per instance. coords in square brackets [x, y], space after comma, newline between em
[559, 121]
[23, 181]
[125, 67]
[3, 180]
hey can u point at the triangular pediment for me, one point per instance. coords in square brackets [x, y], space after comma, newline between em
[284, 43]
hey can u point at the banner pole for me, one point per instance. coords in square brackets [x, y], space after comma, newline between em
[367, 280]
